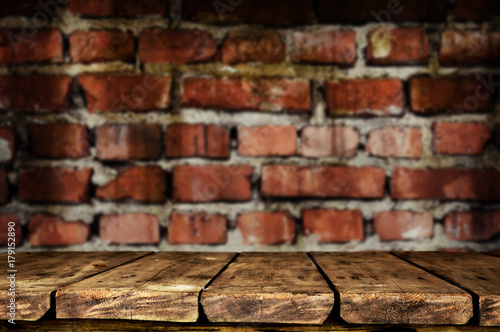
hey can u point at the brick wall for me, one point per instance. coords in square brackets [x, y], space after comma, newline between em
[250, 125]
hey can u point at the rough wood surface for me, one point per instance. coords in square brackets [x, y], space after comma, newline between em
[269, 288]
[476, 272]
[379, 288]
[163, 286]
[41, 273]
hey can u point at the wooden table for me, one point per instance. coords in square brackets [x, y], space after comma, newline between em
[104, 291]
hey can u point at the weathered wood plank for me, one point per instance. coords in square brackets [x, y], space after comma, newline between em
[163, 287]
[41, 273]
[269, 288]
[378, 288]
[476, 272]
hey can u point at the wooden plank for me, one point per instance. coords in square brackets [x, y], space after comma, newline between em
[41, 273]
[269, 288]
[476, 272]
[379, 288]
[163, 287]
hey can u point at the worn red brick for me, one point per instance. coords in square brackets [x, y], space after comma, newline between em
[333, 47]
[322, 181]
[450, 94]
[197, 228]
[246, 94]
[8, 220]
[130, 8]
[242, 46]
[267, 228]
[460, 138]
[55, 185]
[477, 10]
[25, 8]
[319, 142]
[101, 46]
[197, 140]
[212, 183]
[129, 228]
[17, 47]
[59, 140]
[176, 46]
[334, 225]
[128, 142]
[446, 184]
[143, 184]
[469, 48]
[472, 226]
[124, 92]
[267, 141]
[4, 187]
[276, 12]
[7, 144]
[381, 11]
[365, 97]
[49, 230]
[398, 142]
[403, 225]
[35, 92]
[397, 46]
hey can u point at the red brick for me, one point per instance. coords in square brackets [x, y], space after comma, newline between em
[397, 46]
[59, 140]
[329, 141]
[242, 46]
[246, 94]
[176, 46]
[122, 92]
[460, 138]
[403, 225]
[35, 92]
[143, 184]
[333, 47]
[477, 10]
[55, 185]
[5, 220]
[333, 225]
[130, 8]
[446, 184]
[398, 142]
[448, 94]
[21, 7]
[4, 187]
[129, 228]
[197, 228]
[128, 142]
[44, 46]
[267, 141]
[381, 11]
[276, 12]
[469, 48]
[322, 181]
[7, 144]
[472, 226]
[212, 183]
[102, 46]
[365, 97]
[267, 228]
[48, 230]
[197, 140]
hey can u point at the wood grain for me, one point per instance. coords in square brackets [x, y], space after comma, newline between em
[378, 288]
[269, 288]
[41, 273]
[163, 287]
[476, 272]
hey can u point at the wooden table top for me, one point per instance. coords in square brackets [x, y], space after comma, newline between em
[333, 289]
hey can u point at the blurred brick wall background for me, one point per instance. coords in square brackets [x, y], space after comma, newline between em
[250, 124]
